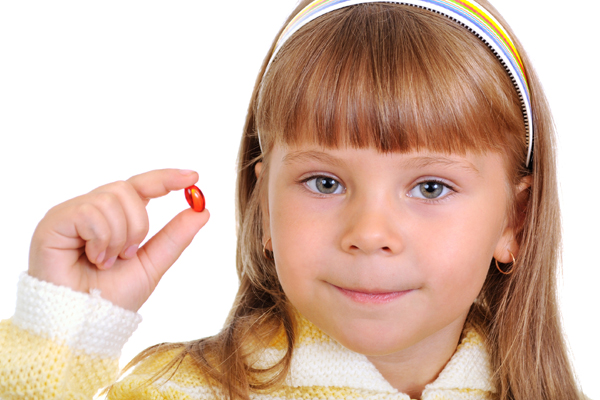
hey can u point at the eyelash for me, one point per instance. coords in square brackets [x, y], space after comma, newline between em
[313, 177]
[443, 197]
[450, 191]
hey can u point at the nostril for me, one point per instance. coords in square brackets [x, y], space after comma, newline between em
[385, 248]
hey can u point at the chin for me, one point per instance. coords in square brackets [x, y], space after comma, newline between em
[373, 338]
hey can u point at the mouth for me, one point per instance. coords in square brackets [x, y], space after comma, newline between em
[372, 297]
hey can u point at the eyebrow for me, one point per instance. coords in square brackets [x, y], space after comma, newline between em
[311, 155]
[414, 163]
[426, 161]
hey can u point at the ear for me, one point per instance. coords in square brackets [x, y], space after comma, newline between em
[258, 168]
[509, 242]
[265, 210]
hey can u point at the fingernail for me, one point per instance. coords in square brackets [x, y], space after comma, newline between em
[131, 250]
[109, 263]
[186, 171]
[100, 257]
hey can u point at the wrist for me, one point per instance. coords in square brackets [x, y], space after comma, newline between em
[81, 321]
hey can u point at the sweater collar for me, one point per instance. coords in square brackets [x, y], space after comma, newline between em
[321, 361]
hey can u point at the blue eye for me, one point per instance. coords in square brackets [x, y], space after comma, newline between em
[324, 185]
[430, 190]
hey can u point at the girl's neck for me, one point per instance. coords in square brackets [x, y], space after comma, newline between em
[411, 369]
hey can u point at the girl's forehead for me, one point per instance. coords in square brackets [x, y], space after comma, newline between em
[288, 155]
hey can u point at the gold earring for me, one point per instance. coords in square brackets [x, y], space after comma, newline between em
[512, 266]
[267, 253]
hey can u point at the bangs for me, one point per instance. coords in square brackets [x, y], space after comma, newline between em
[391, 77]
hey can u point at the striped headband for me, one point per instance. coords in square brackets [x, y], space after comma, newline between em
[468, 13]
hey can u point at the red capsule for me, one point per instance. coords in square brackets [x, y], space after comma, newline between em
[195, 198]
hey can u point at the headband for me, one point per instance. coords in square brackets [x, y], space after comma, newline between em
[467, 13]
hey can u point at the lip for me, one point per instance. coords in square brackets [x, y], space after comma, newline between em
[371, 297]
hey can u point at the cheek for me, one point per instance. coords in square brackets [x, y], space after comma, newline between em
[297, 242]
[302, 226]
[458, 255]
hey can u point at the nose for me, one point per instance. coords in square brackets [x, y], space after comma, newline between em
[373, 227]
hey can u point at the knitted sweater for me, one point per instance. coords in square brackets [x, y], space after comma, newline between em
[62, 344]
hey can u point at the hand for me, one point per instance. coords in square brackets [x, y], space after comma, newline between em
[91, 241]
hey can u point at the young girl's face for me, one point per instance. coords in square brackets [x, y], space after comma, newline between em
[384, 251]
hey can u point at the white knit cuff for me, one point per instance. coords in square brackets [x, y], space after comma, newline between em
[84, 322]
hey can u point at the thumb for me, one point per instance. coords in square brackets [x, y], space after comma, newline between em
[164, 248]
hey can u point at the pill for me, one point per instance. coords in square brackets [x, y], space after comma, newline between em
[195, 198]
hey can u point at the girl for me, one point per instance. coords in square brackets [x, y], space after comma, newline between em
[325, 238]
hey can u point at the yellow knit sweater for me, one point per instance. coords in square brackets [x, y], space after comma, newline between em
[61, 344]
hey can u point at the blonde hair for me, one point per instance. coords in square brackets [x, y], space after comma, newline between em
[397, 78]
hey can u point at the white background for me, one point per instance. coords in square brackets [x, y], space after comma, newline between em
[92, 92]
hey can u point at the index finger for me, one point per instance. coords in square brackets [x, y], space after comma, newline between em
[160, 182]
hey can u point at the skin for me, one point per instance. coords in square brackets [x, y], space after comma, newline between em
[92, 241]
[384, 270]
